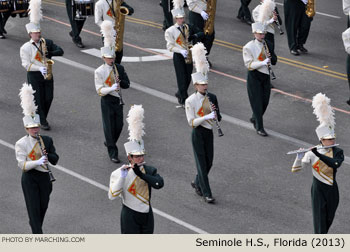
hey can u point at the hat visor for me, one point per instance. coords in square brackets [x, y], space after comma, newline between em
[35, 125]
[180, 16]
[137, 153]
[34, 30]
[200, 82]
[259, 31]
[328, 137]
[108, 56]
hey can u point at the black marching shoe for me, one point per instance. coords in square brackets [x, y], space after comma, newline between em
[115, 160]
[294, 52]
[252, 120]
[196, 188]
[302, 49]
[209, 200]
[2, 36]
[348, 102]
[45, 126]
[262, 132]
[78, 43]
[248, 21]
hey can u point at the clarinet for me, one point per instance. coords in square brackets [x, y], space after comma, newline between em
[52, 179]
[273, 76]
[278, 24]
[220, 133]
[116, 77]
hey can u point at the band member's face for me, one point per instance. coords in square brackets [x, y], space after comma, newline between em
[33, 131]
[201, 88]
[35, 36]
[328, 142]
[109, 61]
[137, 159]
[259, 36]
[180, 21]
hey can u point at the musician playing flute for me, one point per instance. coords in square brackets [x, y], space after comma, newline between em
[325, 163]
[257, 61]
[109, 79]
[34, 55]
[201, 108]
[179, 39]
[346, 40]
[134, 182]
[32, 160]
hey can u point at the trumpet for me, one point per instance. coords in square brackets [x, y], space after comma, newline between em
[310, 148]
[273, 76]
[119, 91]
[220, 133]
[38, 138]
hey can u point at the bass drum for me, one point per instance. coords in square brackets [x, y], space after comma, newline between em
[4, 5]
[20, 6]
[82, 9]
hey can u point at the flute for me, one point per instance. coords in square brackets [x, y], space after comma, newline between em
[52, 179]
[220, 133]
[116, 77]
[130, 167]
[273, 76]
[310, 148]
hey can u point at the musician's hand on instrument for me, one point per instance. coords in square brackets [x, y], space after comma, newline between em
[43, 70]
[45, 152]
[209, 116]
[42, 160]
[314, 151]
[184, 53]
[266, 61]
[204, 15]
[115, 86]
[124, 171]
[213, 108]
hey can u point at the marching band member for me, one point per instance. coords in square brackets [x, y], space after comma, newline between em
[198, 16]
[297, 25]
[244, 12]
[109, 78]
[35, 55]
[257, 60]
[3, 19]
[106, 10]
[76, 25]
[178, 38]
[32, 159]
[167, 6]
[134, 182]
[200, 117]
[346, 40]
[324, 162]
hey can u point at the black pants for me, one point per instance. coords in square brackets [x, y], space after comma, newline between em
[244, 11]
[132, 222]
[167, 6]
[203, 149]
[297, 23]
[4, 16]
[77, 25]
[43, 95]
[183, 76]
[197, 21]
[37, 188]
[325, 200]
[112, 120]
[259, 89]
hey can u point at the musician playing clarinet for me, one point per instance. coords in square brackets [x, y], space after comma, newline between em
[325, 163]
[134, 182]
[258, 62]
[109, 79]
[33, 160]
[201, 110]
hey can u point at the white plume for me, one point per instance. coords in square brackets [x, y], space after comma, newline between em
[266, 9]
[35, 12]
[135, 121]
[323, 109]
[200, 60]
[27, 99]
[108, 33]
[178, 4]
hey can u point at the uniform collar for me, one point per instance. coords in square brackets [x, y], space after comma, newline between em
[199, 95]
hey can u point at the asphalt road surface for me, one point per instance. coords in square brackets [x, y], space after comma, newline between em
[251, 177]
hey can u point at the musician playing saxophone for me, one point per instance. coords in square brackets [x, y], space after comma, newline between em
[258, 63]
[179, 39]
[198, 16]
[109, 78]
[106, 10]
[34, 56]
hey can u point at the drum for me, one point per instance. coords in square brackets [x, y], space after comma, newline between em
[20, 6]
[82, 9]
[4, 5]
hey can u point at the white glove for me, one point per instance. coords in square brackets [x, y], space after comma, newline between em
[184, 53]
[271, 21]
[115, 86]
[209, 116]
[300, 155]
[43, 70]
[41, 161]
[266, 61]
[204, 15]
[124, 171]
[304, 1]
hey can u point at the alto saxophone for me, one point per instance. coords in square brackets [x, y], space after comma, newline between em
[188, 44]
[47, 62]
[310, 8]
[209, 23]
[119, 22]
